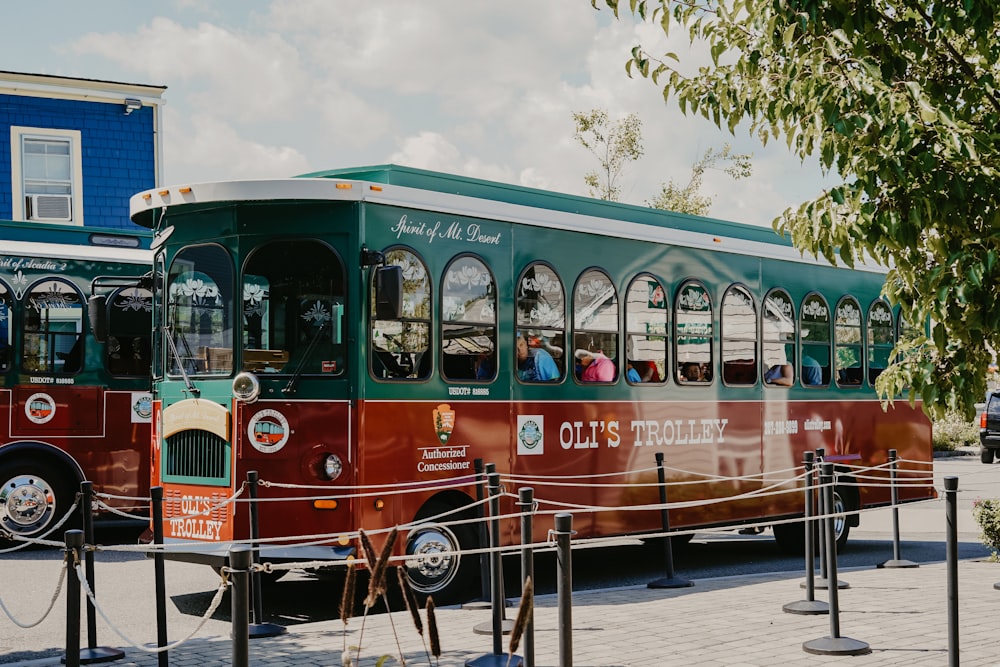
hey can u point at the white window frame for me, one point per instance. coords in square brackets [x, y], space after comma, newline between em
[17, 133]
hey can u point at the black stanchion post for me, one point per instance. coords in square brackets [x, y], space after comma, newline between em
[526, 501]
[484, 558]
[240, 562]
[74, 545]
[93, 652]
[258, 628]
[669, 581]
[824, 571]
[834, 644]
[564, 586]
[896, 561]
[810, 605]
[951, 558]
[156, 507]
[498, 625]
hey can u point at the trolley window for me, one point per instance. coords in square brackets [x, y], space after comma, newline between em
[53, 327]
[693, 332]
[646, 328]
[848, 343]
[128, 348]
[293, 309]
[199, 311]
[814, 331]
[881, 338]
[541, 325]
[468, 321]
[595, 327]
[778, 339]
[739, 337]
[400, 348]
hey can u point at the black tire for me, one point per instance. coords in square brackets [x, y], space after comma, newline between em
[791, 537]
[34, 498]
[434, 565]
[986, 455]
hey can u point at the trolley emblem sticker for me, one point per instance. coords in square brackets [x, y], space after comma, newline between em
[268, 431]
[142, 407]
[40, 408]
[444, 422]
[530, 434]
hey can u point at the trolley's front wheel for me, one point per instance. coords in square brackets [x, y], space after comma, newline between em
[434, 563]
[32, 500]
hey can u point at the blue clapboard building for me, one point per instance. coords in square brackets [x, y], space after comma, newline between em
[72, 151]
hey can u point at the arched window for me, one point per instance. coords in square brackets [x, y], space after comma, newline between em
[468, 321]
[541, 325]
[200, 310]
[400, 348]
[778, 339]
[595, 327]
[293, 309]
[814, 332]
[848, 343]
[739, 337]
[881, 338]
[693, 333]
[53, 328]
[127, 352]
[6, 328]
[646, 330]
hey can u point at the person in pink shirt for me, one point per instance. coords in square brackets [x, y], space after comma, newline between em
[595, 367]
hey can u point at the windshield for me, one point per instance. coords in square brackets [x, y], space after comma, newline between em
[199, 311]
[293, 309]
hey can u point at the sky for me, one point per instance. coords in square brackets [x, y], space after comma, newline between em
[275, 88]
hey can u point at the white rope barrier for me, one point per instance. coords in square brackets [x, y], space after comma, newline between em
[48, 610]
[216, 601]
[28, 541]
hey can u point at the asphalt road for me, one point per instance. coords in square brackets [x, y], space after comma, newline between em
[28, 579]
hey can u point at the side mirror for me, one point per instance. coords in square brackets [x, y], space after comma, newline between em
[388, 292]
[98, 314]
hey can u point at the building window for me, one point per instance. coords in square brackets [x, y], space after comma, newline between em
[46, 175]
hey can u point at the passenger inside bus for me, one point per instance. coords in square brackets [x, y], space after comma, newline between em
[780, 374]
[691, 372]
[812, 372]
[534, 364]
[595, 367]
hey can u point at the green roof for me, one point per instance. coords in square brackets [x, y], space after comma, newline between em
[391, 174]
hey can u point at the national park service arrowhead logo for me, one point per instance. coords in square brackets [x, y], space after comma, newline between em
[444, 422]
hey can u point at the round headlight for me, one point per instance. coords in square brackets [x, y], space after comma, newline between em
[246, 387]
[332, 466]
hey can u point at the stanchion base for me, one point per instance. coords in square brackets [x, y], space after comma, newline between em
[670, 582]
[836, 646]
[477, 604]
[261, 630]
[99, 654]
[824, 584]
[997, 586]
[493, 660]
[506, 625]
[898, 563]
[807, 607]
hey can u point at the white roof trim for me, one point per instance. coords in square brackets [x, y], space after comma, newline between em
[69, 251]
[324, 189]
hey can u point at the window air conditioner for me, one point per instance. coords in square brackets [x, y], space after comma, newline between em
[52, 208]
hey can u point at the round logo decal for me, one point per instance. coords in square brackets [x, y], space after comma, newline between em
[268, 431]
[40, 408]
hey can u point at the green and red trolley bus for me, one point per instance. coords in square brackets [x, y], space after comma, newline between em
[74, 408]
[354, 332]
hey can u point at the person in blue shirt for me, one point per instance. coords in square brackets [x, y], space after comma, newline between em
[535, 364]
[812, 372]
